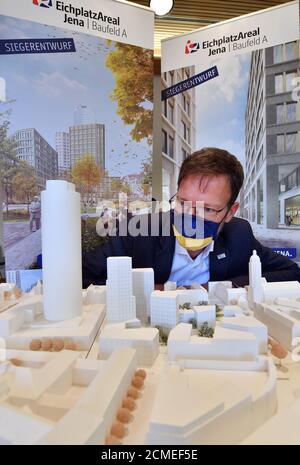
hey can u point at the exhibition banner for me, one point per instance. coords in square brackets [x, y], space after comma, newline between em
[250, 107]
[76, 103]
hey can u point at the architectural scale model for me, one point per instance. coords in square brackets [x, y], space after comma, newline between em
[217, 402]
[214, 367]
[283, 428]
[57, 309]
[63, 399]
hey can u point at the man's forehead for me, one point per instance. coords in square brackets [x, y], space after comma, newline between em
[204, 182]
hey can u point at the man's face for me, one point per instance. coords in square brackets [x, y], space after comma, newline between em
[214, 192]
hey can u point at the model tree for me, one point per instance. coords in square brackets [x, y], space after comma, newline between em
[133, 71]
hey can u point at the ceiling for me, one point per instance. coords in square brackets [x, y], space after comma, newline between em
[188, 15]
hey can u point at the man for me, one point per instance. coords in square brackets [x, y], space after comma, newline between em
[35, 214]
[221, 252]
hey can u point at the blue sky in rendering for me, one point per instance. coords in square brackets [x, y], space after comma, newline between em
[221, 105]
[48, 87]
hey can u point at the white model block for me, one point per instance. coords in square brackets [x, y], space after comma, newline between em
[205, 314]
[251, 325]
[7, 287]
[31, 384]
[288, 303]
[234, 294]
[143, 286]
[61, 248]
[225, 345]
[193, 296]
[133, 323]
[289, 289]
[1, 297]
[256, 294]
[120, 302]
[90, 421]
[196, 286]
[164, 309]
[95, 295]
[212, 285]
[144, 340]
[18, 327]
[10, 322]
[170, 286]
[244, 304]
[282, 429]
[232, 310]
[186, 316]
[219, 290]
[17, 427]
[281, 326]
[216, 402]
[37, 289]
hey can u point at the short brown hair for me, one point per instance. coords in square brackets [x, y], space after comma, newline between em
[211, 161]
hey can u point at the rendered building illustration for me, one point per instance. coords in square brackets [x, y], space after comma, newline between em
[68, 375]
[178, 128]
[271, 192]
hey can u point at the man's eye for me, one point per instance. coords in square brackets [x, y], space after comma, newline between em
[209, 210]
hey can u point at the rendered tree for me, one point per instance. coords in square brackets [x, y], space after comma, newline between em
[133, 71]
[147, 178]
[118, 185]
[87, 175]
[24, 183]
[8, 158]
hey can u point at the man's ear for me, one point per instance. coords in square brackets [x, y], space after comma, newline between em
[234, 208]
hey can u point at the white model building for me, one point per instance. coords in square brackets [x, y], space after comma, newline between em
[255, 293]
[144, 340]
[95, 295]
[282, 428]
[223, 293]
[164, 309]
[205, 314]
[212, 402]
[170, 286]
[226, 344]
[120, 301]
[62, 399]
[143, 286]
[58, 312]
[283, 324]
[165, 306]
[251, 325]
[61, 248]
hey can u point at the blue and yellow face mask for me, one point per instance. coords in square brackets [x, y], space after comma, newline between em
[194, 233]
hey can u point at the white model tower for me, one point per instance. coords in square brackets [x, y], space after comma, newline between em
[256, 293]
[61, 249]
[143, 286]
[120, 302]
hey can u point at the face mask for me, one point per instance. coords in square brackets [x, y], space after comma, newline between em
[194, 233]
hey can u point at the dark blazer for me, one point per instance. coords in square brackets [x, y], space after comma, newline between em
[228, 261]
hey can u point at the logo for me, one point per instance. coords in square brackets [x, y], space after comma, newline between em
[192, 47]
[43, 3]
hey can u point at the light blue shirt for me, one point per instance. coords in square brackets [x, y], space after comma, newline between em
[186, 271]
